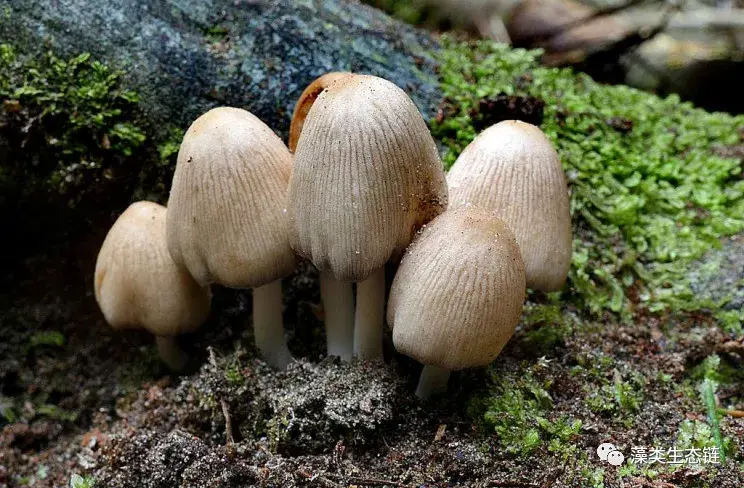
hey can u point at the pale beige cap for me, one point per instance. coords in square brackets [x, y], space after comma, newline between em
[226, 221]
[512, 169]
[306, 101]
[137, 284]
[367, 175]
[458, 293]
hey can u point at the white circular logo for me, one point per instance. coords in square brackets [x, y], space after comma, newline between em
[615, 458]
[604, 449]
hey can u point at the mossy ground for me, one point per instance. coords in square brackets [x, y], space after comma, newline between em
[627, 354]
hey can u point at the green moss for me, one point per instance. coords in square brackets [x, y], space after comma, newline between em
[620, 397]
[77, 481]
[546, 326]
[234, 375]
[645, 202]
[731, 321]
[53, 338]
[517, 411]
[68, 122]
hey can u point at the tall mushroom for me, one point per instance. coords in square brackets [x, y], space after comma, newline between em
[366, 176]
[512, 169]
[137, 284]
[226, 221]
[337, 296]
[457, 295]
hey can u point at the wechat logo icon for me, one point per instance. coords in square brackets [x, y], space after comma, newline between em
[608, 452]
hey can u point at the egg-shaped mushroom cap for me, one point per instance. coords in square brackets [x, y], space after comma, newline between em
[137, 284]
[366, 176]
[305, 102]
[512, 169]
[458, 293]
[226, 221]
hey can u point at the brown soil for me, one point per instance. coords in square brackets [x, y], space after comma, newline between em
[118, 416]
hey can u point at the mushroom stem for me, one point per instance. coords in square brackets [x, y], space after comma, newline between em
[338, 307]
[268, 326]
[171, 353]
[433, 381]
[370, 310]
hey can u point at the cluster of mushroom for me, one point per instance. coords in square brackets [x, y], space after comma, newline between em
[361, 184]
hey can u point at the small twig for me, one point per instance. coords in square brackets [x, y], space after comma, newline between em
[739, 414]
[225, 412]
[731, 347]
[374, 482]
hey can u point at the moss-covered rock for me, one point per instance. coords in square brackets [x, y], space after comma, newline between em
[184, 57]
[651, 188]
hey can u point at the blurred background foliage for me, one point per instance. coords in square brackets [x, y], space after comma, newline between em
[692, 48]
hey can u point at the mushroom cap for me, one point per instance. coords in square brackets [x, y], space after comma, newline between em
[306, 101]
[226, 221]
[137, 284]
[512, 169]
[459, 291]
[366, 176]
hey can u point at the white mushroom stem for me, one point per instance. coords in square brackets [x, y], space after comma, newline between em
[171, 353]
[370, 311]
[268, 326]
[433, 381]
[338, 307]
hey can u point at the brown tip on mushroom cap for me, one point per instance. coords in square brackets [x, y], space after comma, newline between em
[306, 101]
[366, 176]
[512, 169]
[137, 284]
[459, 291]
[226, 221]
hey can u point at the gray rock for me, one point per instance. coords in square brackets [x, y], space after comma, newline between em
[719, 275]
[185, 57]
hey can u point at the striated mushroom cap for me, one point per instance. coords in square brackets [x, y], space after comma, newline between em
[459, 291]
[366, 176]
[226, 221]
[137, 284]
[306, 101]
[512, 169]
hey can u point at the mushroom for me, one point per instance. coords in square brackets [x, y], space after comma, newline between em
[337, 297]
[457, 295]
[306, 100]
[366, 177]
[226, 221]
[137, 284]
[512, 169]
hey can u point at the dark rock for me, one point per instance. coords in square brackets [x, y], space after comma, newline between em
[719, 275]
[185, 57]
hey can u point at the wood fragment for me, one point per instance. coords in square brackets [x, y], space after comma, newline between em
[739, 414]
[225, 412]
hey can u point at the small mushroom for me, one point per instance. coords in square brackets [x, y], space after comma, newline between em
[137, 284]
[512, 169]
[226, 221]
[457, 296]
[366, 177]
